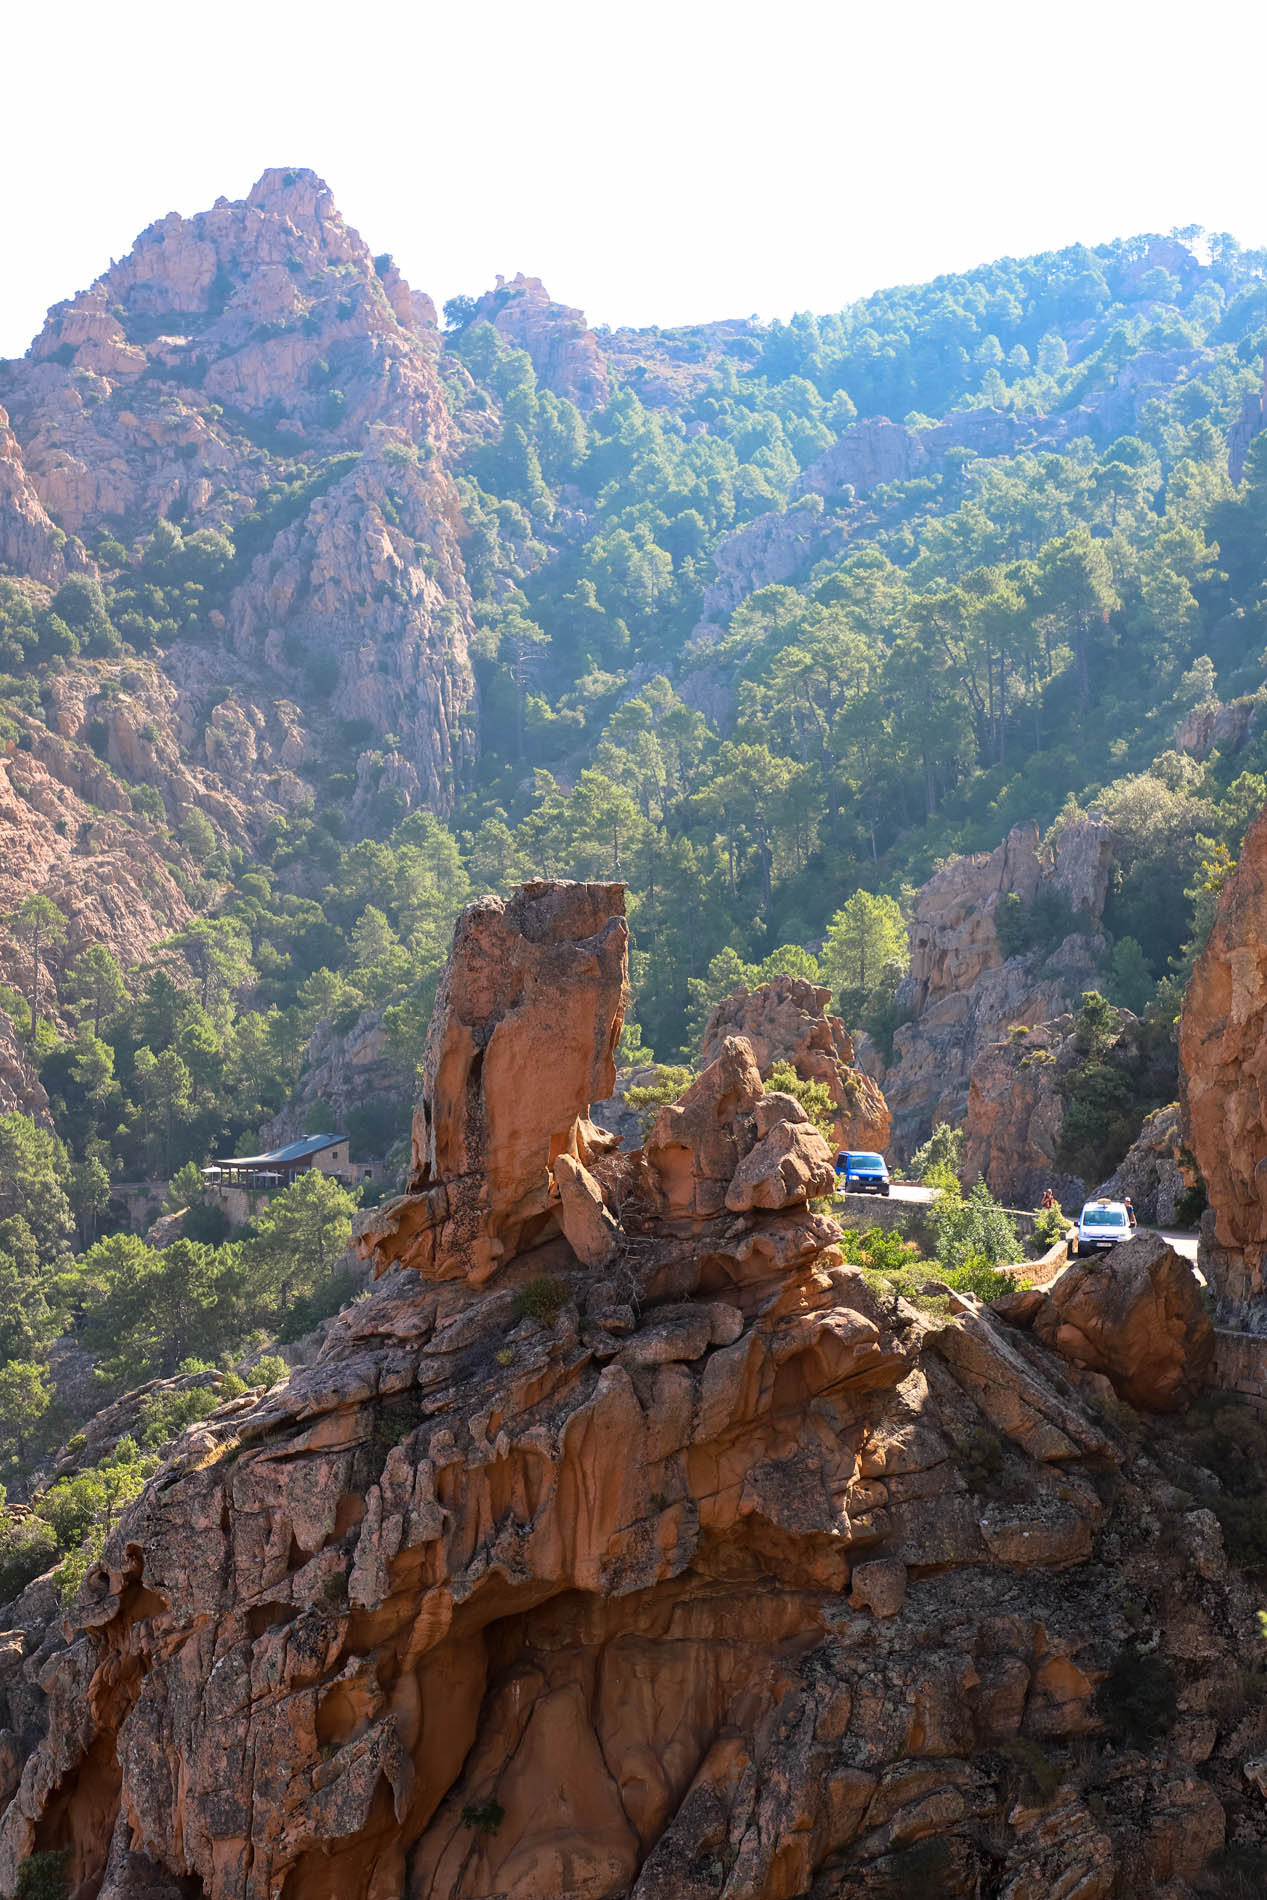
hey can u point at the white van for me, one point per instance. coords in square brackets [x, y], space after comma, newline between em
[1101, 1224]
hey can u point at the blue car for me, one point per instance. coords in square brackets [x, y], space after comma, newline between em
[859, 1173]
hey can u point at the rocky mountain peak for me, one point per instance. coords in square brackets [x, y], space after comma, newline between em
[254, 370]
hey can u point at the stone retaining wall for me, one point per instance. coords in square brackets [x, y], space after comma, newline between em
[1240, 1366]
[907, 1217]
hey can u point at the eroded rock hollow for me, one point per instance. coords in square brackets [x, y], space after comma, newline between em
[622, 1542]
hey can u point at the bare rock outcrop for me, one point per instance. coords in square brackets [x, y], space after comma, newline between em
[562, 347]
[1014, 1118]
[21, 1090]
[787, 1020]
[256, 349]
[522, 1041]
[345, 1070]
[1157, 1170]
[1226, 726]
[1222, 1065]
[65, 830]
[1136, 1315]
[697, 1572]
[961, 993]
[30, 543]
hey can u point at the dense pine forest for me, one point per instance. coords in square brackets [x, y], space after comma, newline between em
[769, 623]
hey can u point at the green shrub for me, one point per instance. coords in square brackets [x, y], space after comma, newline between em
[542, 1299]
[878, 1250]
[1049, 1226]
[483, 1817]
[978, 1276]
[972, 1230]
[943, 1149]
[27, 1549]
[1041, 925]
[671, 1081]
[1138, 1699]
[814, 1097]
[164, 1415]
[207, 1223]
[44, 1876]
[270, 1370]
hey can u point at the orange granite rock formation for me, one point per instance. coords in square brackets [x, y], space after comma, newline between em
[1223, 1076]
[682, 1576]
[787, 1020]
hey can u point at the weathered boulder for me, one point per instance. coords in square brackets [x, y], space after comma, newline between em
[1223, 1076]
[789, 1166]
[787, 1020]
[696, 1144]
[591, 1231]
[1136, 1315]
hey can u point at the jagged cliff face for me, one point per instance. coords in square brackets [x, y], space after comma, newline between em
[67, 828]
[964, 997]
[253, 343]
[621, 1544]
[229, 312]
[1222, 1055]
[30, 543]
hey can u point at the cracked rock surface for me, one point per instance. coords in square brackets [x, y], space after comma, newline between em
[670, 1565]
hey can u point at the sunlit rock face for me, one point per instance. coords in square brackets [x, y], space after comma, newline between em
[257, 346]
[1222, 1066]
[623, 1542]
[962, 995]
[787, 1020]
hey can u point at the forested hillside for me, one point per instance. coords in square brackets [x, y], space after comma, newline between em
[321, 614]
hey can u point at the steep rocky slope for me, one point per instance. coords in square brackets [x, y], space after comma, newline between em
[68, 830]
[621, 1543]
[962, 994]
[1157, 1171]
[1222, 1056]
[253, 348]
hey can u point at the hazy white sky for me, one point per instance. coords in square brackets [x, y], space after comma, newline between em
[661, 162]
